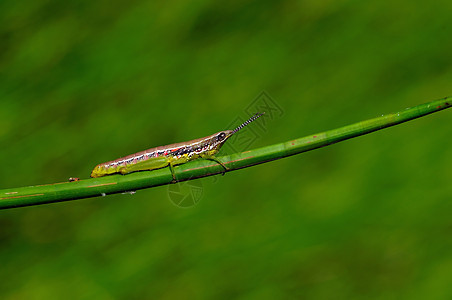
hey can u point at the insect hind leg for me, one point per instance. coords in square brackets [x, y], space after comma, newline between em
[149, 165]
[171, 167]
[146, 165]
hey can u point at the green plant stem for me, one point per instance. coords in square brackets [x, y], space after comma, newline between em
[94, 187]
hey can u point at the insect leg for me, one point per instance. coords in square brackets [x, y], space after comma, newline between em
[213, 158]
[171, 167]
[146, 165]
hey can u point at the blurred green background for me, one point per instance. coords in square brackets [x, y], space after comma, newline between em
[89, 81]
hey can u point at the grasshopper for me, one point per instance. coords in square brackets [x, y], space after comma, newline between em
[171, 155]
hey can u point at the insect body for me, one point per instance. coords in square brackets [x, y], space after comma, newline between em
[170, 155]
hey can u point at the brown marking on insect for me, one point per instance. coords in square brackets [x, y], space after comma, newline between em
[103, 184]
[34, 195]
[72, 179]
[439, 106]
[447, 103]
[314, 136]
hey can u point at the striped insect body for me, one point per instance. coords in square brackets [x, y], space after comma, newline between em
[170, 155]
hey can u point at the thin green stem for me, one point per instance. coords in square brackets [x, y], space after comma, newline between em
[34, 195]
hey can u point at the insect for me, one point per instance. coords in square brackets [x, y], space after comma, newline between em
[171, 155]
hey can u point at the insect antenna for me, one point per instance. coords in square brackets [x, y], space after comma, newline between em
[257, 115]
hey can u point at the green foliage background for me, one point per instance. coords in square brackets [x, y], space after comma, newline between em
[89, 81]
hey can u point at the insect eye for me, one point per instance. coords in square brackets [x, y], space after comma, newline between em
[221, 136]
